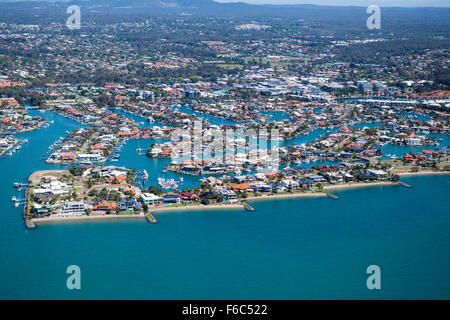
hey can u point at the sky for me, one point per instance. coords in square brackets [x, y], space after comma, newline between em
[381, 3]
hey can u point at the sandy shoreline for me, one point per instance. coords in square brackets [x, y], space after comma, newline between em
[198, 208]
[422, 173]
[288, 196]
[135, 216]
[359, 185]
[85, 218]
[236, 206]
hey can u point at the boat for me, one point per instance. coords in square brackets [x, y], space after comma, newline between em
[167, 184]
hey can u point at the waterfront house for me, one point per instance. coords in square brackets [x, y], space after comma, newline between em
[73, 208]
[227, 194]
[413, 140]
[129, 205]
[43, 195]
[370, 153]
[241, 187]
[378, 174]
[90, 157]
[348, 177]
[306, 182]
[171, 198]
[67, 157]
[190, 169]
[317, 179]
[150, 199]
[430, 153]
[105, 206]
[40, 209]
[189, 197]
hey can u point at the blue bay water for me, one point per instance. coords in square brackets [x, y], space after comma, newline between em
[287, 249]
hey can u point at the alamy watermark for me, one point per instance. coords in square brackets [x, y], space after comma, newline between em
[374, 280]
[374, 21]
[74, 280]
[74, 20]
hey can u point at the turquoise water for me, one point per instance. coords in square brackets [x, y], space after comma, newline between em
[287, 249]
[214, 120]
[400, 150]
[140, 121]
[277, 115]
[318, 133]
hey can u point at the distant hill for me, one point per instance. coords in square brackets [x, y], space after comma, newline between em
[412, 21]
[208, 7]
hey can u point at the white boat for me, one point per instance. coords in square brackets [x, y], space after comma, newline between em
[167, 183]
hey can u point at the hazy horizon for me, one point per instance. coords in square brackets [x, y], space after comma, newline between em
[361, 3]
[382, 3]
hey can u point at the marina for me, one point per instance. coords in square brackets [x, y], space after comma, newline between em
[196, 150]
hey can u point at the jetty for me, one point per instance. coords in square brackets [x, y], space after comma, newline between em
[247, 206]
[332, 196]
[404, 184]
[19, 185]
[29, 224]
[150, 218]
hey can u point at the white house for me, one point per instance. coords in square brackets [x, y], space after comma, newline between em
[150, 199]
